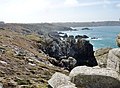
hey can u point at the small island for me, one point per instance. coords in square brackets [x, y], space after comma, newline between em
[86, 28]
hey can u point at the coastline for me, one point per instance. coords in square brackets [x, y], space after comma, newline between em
[100, 37]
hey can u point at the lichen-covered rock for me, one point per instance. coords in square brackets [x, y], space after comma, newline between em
[58, 80]
[114, 59]
[95, 77]
[101, 56]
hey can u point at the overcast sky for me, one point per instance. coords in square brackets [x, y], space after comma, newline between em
[36, 11]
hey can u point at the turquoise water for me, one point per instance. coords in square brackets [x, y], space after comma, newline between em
[105, 35]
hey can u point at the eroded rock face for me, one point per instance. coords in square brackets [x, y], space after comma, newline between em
[59, 80]
[95, 77]
[84, 53]
[114, 59]
[81, 50]
[118, 40]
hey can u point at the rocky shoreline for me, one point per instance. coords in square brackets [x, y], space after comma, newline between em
[70, 51]
[105, 75]
[30, 55]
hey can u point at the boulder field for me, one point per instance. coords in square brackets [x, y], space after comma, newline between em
[105, 75]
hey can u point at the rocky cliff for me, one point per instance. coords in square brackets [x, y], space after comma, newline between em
[105, 75]
[30, 55]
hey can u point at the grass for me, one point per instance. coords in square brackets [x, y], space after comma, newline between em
[34, 37]
[39, 74]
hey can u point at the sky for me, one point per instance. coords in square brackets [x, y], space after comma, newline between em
[37, 11]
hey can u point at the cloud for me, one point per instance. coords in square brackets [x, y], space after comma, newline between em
[71, 3]
[75, 3]
[90, 4]
[44, 10]
[118, 5]
[22, 8]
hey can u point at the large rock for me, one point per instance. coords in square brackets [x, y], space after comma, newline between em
[60, 80]
[81, 36]
[84, 54]
[118, 40]
[69, 63]
[114, 59]
[66, 86]
[81, 50]
[101, 56]
[95, 77]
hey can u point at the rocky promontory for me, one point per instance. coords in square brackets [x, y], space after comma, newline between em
[80, 51]
[30, 54]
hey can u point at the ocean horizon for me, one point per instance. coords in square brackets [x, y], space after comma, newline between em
[99, 37]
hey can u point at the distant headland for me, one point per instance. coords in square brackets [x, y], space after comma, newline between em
[76, 24]
[89, 24]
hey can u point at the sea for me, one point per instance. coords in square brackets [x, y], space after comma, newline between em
[99, 37]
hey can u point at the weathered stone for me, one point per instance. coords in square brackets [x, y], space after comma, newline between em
[66, 86]
[53, 61]
[84, 53]
[3, 62]
[81, 50]
[69, 63]
[101, 56]
[2, 50]
[114, 59]
[118, 40]
[1, 85]
[59, 79]
[95, 77]
[20, 52]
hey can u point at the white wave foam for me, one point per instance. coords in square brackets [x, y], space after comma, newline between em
[90, 38]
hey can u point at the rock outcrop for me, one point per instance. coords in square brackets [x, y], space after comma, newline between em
[60, 80]
[106, 75]
[101, 56]
[86, 77]
[81, 36]
[95, 77]
[114, 59]
[81, 50]
[69, 63]
[86, 29]
[118, 40]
